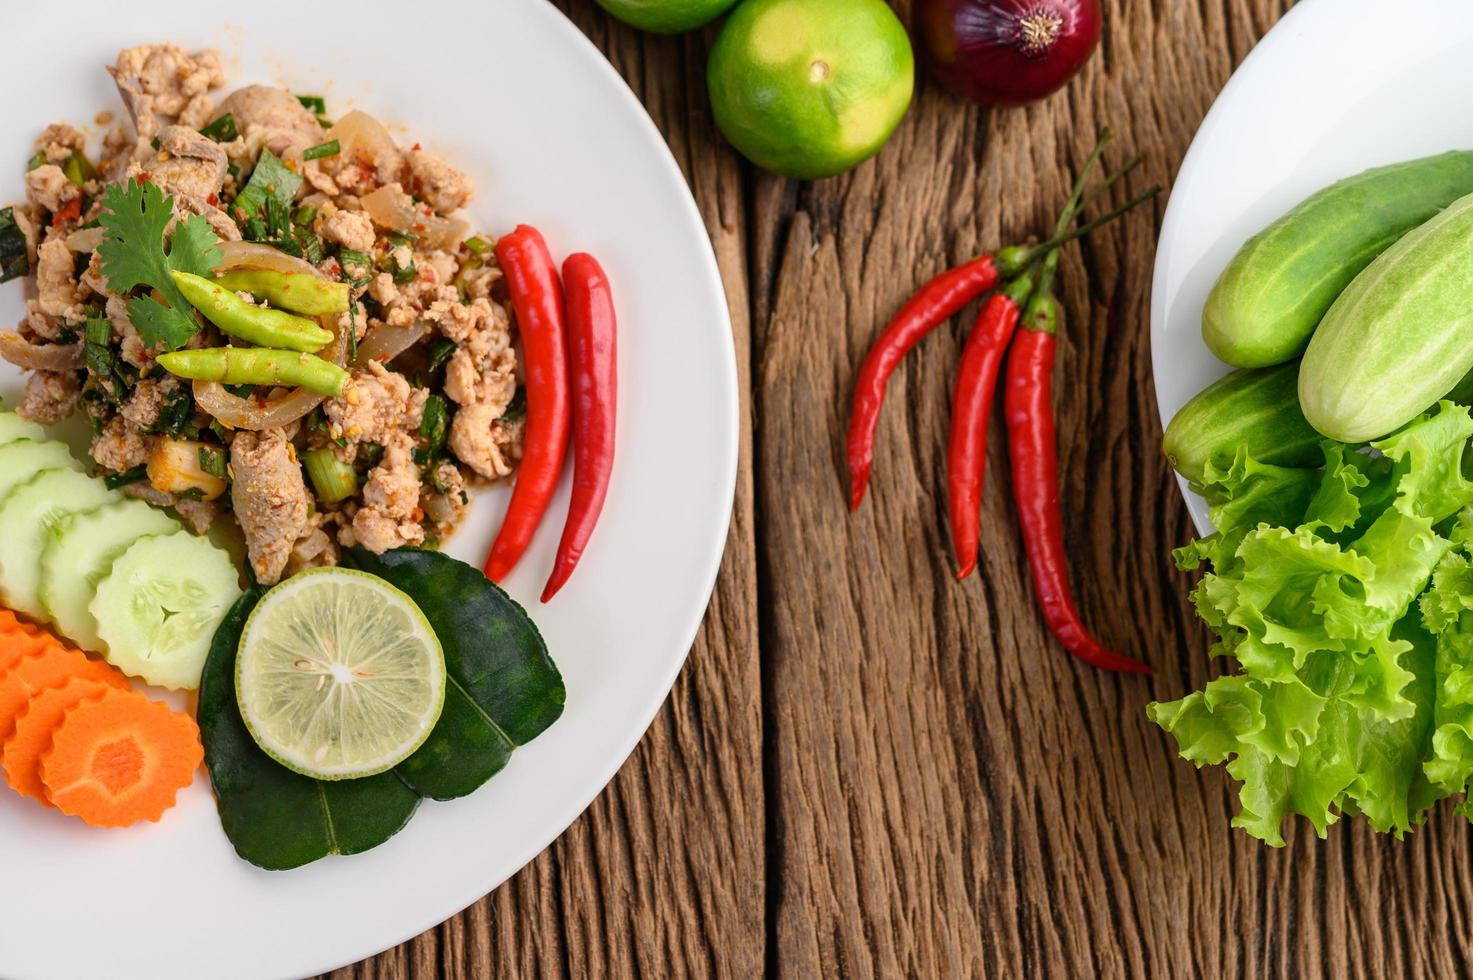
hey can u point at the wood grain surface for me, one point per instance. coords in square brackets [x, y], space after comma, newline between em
[867, 769]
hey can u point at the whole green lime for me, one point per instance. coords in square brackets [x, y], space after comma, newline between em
[810, 88]
[666, 16]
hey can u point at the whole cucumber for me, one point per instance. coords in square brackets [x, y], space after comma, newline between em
[1400, 336]
[1256, 408]
[1281, 283]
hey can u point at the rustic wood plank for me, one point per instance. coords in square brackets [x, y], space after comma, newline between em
[664, 875]
[946, 793]
[955, 796]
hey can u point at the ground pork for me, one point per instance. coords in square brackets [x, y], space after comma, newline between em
[437, 183]
[489, 381]
[390, 500]
[50, 396]
[314, 549]
[481, 326]
[187, 163]
[269, 497]
[444, 501]
[119, 446]
[131, 344]
[38, 324]
[480, 440]
[379, 404]
[58, 293]
[59, 141]
[198, 515]
[349, 229]
[162, 83]
[143, 407]
[269, 118]
[47, 187]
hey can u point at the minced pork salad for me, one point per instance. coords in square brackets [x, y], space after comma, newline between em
[268, 317]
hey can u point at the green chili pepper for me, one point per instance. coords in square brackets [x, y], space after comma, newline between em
[295, 291]
[256, 324]
[258, 366]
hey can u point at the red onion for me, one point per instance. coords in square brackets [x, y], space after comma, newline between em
[1007, 52]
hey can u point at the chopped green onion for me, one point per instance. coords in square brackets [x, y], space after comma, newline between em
[212, 461]
[304, 215]
[99, 332]
[174, 418]
[332, 479]
[115, 480]
[478, 244]
[37, 160]
[155, 144]
[222, 130]
[78, 168]
[353, 330]
[406, 274]
[313, 103]
[14, 261]
[349, 256]
[99, 360]
[324, 122]
[433, 424]
[440, 350]
[329, 149]
[401, 238]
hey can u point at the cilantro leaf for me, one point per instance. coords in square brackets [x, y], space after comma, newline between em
[194, 247]
[132, 251]
[273, 181]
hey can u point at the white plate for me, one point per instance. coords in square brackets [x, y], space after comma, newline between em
[515, 95]
[1334, 88]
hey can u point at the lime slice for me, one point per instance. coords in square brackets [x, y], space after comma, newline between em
[339, 674]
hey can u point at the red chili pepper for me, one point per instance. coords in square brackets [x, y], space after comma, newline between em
[1028, 404]
[592, 353]
[976, 381]
[537, 298]
[70, 211]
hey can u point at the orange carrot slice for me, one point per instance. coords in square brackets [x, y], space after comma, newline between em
[34, 727]
[46, 666]
[118, 758]
[17, 638]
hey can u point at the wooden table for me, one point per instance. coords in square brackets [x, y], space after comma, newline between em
[867, 769]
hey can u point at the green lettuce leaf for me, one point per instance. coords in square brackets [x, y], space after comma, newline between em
[1344, 599]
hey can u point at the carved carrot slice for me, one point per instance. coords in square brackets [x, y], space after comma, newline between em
[34, 728]
[47, 665]
[118, 758]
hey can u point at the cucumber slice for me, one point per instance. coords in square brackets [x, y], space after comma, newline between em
[13, 427]
[159, 605]
[24, 458]
[78, 553]
[27, 515]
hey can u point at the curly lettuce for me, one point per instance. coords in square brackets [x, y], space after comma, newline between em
[1344, 598]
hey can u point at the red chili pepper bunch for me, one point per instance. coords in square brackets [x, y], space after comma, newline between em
[569, 353]
[1025, 298]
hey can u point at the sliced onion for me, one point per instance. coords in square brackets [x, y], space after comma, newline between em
[363, 139]
[390, 207]
[84, 239]
[384, 343]
[39, 357]
[254, 255]
[273, 413]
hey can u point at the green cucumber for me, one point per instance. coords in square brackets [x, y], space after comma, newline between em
[78, 553]
[1258, 409]
[13, 427]
[23, 459]
[1281, 283]
[27, 515]
[160, 604]
[1399, 338]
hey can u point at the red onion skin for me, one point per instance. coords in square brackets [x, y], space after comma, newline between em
[980, 49]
